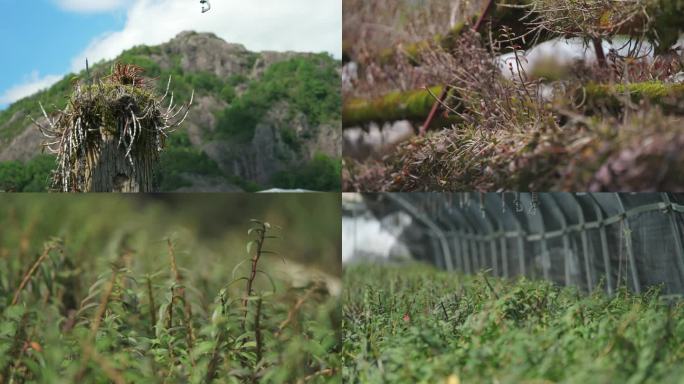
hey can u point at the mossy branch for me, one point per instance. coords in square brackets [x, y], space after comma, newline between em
[415, 105]
[412, 105]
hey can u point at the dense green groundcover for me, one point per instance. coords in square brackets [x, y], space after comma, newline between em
[414, 324]
[108, 304]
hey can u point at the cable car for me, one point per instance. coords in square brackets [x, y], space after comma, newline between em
[206, 6]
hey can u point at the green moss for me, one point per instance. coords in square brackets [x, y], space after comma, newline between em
[104, 106]
[667, 96]
[651, 89]
[412, 105]
[290, 138]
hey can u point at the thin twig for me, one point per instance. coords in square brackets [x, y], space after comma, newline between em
[30, 273]
[95, 326]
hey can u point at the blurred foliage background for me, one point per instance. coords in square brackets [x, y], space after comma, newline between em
[209, 229]
[60, 296]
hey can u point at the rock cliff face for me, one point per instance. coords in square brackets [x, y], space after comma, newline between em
[283, 137]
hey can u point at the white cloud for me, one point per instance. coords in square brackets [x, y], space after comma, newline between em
[297, 25]
[32, 85]
[90, 6]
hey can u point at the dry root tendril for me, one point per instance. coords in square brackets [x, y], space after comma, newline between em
[122, 105]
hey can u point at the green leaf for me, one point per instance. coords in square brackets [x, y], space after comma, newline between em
[249, 246]
[203, 347]
[269, 278]
[15, 312]
[8, 328]
[238, 265]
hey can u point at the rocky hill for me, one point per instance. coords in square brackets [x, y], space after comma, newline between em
[259, 119]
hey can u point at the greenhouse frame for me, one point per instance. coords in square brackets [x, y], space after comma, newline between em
[589, 240]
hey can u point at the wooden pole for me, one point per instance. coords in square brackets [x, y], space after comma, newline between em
[107, 169]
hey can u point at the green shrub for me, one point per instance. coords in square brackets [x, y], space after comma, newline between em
[12, 176]
[237, 79]
[228, 93]
[205, 82]
[323, 173]
[415, 324]
[310, 84]
[152, 69]
[179, 158]
[39, 173]
[31, 176]
[289, 137]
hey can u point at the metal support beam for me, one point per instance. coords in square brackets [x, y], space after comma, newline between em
[676, 233]
[628, 243]
[604, 245]
[456, 241]
[558, 212]
[588, 259]
[465, 246]
[520, 241]
[504, 255]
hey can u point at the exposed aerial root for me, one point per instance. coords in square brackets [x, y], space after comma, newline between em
[122, 106]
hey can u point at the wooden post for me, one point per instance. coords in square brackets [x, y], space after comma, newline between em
[107, 169]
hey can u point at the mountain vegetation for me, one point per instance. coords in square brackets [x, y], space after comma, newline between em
[256, 116]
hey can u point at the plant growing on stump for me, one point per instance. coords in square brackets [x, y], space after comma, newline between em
[110, 135]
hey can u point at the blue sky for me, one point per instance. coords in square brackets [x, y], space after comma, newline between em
[39, 38]
[42, 40]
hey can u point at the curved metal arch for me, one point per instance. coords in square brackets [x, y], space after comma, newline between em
[557, 211]
[444, 244]
[676, 234]
[521, 237]
[461, 241]
[471, 232]
[452, 232]
[604, 243]
[588, 259]
[493, 229]
[546, 258]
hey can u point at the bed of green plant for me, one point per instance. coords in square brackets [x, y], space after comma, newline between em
[414, 324]
[116, 300]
